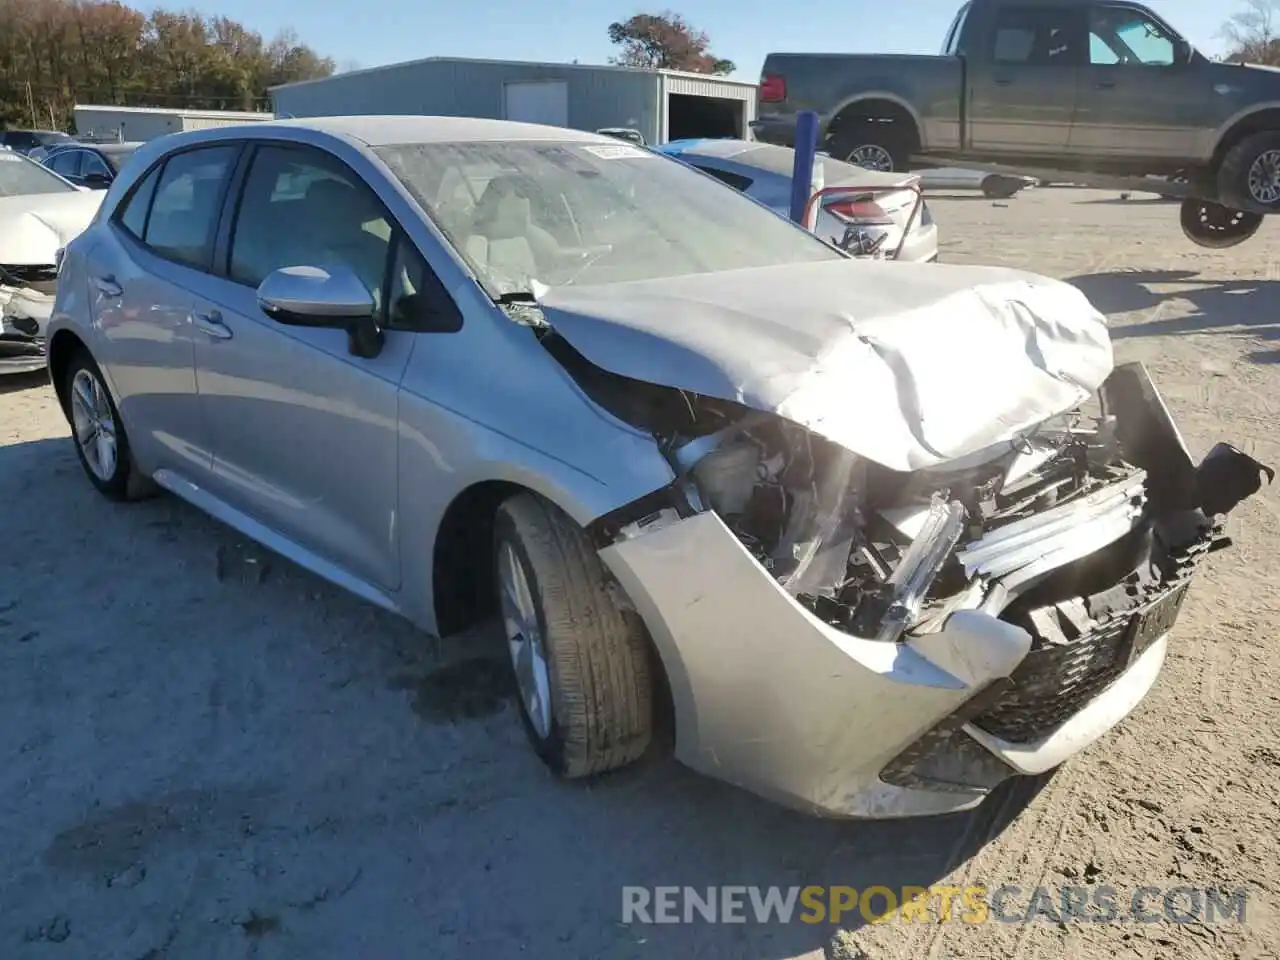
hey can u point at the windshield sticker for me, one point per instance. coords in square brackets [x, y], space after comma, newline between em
[11, 157]
[620, 151]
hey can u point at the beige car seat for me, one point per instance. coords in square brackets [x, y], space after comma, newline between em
[504, 238]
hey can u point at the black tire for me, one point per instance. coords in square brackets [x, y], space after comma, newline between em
[1216, 227]
[1234, 190]
[861, 134]
[597, 653]
[125, 481]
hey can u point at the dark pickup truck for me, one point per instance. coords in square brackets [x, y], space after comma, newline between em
[1095, 87]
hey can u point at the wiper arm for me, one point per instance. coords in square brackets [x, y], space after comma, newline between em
[515, 296]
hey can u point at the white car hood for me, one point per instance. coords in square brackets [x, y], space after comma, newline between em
[909, 365]
[34, 226]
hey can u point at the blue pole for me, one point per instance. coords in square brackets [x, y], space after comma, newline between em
[802, 174]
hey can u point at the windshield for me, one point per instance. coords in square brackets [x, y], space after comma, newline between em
[587, 213]
[22, 177]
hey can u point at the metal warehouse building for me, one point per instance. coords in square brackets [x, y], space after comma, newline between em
[147, 123]
[662, 104]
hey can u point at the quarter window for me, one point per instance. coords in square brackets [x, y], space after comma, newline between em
[93, 164]
[134, 216]
[184, 211]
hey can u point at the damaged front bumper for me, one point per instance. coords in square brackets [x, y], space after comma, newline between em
[1057, 630]
[26, 304]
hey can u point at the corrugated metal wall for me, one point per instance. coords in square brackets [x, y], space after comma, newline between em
[134, 126]
[471, 88]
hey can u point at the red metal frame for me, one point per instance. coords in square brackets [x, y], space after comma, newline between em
[912, 184]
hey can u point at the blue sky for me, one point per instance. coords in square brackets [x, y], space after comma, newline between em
[386, 31]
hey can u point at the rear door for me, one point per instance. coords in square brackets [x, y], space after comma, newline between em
[1022, 83]
[159, 243]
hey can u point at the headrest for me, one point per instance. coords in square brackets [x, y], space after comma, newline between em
[502, 214]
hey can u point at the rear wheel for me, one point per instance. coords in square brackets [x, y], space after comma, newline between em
[1212, 225]
[873, 145]
[102, 445]
[581, 662]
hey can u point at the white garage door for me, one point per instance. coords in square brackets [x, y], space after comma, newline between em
[543, 101]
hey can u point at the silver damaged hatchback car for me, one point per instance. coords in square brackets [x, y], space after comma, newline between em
[879, 535]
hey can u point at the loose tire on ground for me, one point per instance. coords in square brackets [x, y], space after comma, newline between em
[124, 481]
[1249, 174]
[1216, 227]
[597, 654]
[874, 138]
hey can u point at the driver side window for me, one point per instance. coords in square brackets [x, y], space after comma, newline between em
[1126, 36]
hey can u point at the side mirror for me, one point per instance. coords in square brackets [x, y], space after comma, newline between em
[323, 297]
[1181, 51]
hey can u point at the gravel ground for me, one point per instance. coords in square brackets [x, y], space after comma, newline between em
[210, 754]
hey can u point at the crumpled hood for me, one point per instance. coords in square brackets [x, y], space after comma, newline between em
[909, 365]
[33, 227]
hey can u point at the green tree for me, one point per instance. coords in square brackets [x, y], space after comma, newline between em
[665, 41]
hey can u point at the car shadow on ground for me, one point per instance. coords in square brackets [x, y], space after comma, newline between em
[15, 382]
[1247, 309]
[446, 811]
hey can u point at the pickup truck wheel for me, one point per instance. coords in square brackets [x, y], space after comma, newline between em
[875, 146]
[581, 662]
[1217, 227]
[1249, 175]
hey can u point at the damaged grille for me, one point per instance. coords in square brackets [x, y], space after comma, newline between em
[1073, 659]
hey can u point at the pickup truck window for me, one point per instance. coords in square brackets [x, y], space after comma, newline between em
[1124, 35]
[1037, 36]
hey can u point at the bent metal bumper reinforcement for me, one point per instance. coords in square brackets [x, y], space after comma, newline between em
[1020, 553]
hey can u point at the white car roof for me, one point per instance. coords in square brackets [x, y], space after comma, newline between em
[379, 131]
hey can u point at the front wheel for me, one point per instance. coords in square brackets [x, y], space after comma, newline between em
[1249, 175]
[581, 662]
[1217, 227]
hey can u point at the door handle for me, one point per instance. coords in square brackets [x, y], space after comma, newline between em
[1105, 84]
[212, 324]
[1001, 81]
[107, 286]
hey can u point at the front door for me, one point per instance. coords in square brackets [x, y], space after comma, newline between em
[1136, 99]
[304, 434]
[1022, 88]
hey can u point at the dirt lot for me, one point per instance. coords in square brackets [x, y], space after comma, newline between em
[210, 754]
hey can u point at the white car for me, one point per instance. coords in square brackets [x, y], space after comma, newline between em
[867, 221]
[40, 213]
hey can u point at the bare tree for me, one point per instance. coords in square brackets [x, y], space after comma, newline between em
[1251, 34]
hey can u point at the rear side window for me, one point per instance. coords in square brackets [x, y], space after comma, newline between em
[1039, 36]
[735, 180]
[184, 210]
[93, 164]
[134, 216]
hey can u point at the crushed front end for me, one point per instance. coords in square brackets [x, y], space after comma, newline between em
[26, 303]
[859, 641]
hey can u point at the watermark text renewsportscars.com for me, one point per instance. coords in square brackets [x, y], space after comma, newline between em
[975, 903]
